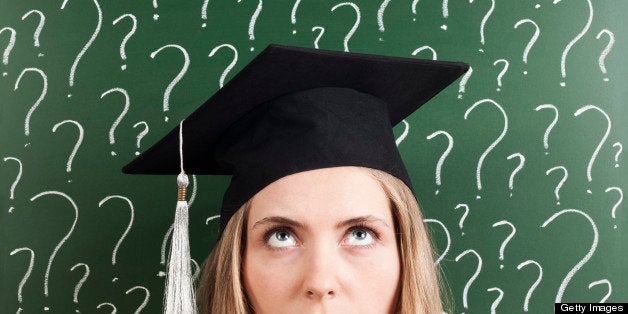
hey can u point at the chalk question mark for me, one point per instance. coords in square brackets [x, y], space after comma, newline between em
[40, 26]
[464, 216]
[406, 130]
[141, 135]
[537, 32]
[463, 82]
[204, 13]
[511, 180]
[563, 58]
[176, 80]
[500, 296]
[254, 17]
[355, 25]
[501, 74]
[620, 148]
[380, 16]
[441, 160]
[65, 238]
[7, 50]
[78, 142]
[478, 269]
[113, 307]
[599, 146]
[440, 258]
[19, 175]
[87, 45]
[609, 46]
[28, 271]
[560, 183]
[320, 34]
[490, 148]
[526, 302]
[80, 283]
[416, 51]
[230, 66]
[513, 230]
[584, 260]
[146, 297]
[128, 228]
[483, 24]
[127, 37]
[127, 103]
[41, 96]
[608, 286]
[293, 15]
[155, 5]
[621, 198]
[551, 126]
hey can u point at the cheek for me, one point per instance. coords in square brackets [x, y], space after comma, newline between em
[268, 281]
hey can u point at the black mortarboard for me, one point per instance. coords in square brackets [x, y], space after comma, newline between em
[293, 109]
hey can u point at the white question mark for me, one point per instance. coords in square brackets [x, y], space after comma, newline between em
[499, 298]
[488, 150]
[609, 46]
[617, 144]
[19, 175]
[414, 3]
[608, 285]
[511, 180]
[293, 15]
[621, 198]
[501, 74]
[463, 82]
[141, 135]
[537, 32]
[584, 260]
[81, 281]
[40, 26]
[230, 66]
[41, 96]
[78, 142]
[87, 45]
[563, 58]
[355, 25]
[176, 80]
[204, 13]
[380, 16]
[128, 228]
[256, 14]
[440, 258]
[113, 307]
[146, 297]
[513, 230]
[7, 50]
[155, 15]
[28, 271]
[551, 126]
[406, 130]
[320, 34]
[127, 37]
[526, 302]
[478, 269]
[464, 216]
[441, 160]
[416, 51]
[486, 16]
[599, 146]
[127, 103]
[65, 238]
[562, 181]
[445, 13]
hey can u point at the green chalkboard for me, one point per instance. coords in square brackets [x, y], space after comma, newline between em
[518, 165]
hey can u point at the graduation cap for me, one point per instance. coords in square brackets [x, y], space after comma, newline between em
[294, 109]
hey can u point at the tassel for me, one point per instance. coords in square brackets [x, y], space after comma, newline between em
[180, 294]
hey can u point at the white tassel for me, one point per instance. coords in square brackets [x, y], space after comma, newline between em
[180, 294]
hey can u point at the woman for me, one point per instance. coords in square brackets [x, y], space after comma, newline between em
[237, 279]
[305, 132]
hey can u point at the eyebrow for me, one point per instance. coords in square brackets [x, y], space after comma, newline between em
[298, 225]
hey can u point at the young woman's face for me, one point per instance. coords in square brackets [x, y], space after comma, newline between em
[322, 241]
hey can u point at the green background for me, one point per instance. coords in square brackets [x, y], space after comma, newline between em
[590, 230]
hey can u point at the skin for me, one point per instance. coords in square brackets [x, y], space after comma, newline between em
[311, 258]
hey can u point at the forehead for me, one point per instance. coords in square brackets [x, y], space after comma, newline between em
[323, 196]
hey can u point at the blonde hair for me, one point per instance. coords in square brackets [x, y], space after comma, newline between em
[422, 287]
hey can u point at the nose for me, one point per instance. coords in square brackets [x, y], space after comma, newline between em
[321, 273]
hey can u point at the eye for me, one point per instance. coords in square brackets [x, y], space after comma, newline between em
[360, 236]
[280, 238]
